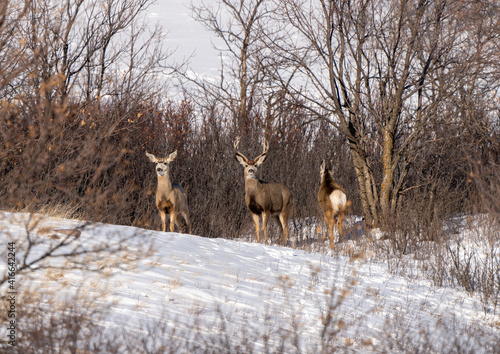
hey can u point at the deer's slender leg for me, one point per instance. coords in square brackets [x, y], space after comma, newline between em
[163, 217]
[179, 223]
[188, 224]
[330, 220]
[265, 218]
[330, 231]
[255, 218]
[340, 218]
[284, 227]
[172, 221]
[277, 219]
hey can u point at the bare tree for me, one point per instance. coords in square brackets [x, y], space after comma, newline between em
[91, 49]
[238, 24]
[378, 71]
[13, 58]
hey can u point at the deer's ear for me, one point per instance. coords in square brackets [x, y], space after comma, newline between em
[171, 157]
[260, 159]
[151, 157]
[322, 167]
[240, 158]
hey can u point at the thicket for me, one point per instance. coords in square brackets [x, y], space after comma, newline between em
[91, 158]
[77, 119]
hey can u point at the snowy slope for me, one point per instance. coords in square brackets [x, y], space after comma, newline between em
[255, 291]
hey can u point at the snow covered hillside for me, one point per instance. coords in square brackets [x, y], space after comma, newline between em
[231, 296]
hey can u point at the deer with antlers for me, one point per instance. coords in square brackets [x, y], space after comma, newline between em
[263, 198]
[170, 197]
[333, 200]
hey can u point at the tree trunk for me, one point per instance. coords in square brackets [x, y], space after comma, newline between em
[366, 183]
[387, 173]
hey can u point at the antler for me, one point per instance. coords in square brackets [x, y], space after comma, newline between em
[236, 143]
[265, 146]
[238, 155]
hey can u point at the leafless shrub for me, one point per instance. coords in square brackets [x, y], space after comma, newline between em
[42, 246]
[49, 323]
[458, 340]
[463, 269]
[76, 322]
[489, 281]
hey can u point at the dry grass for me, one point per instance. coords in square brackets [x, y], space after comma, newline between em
[61, 322]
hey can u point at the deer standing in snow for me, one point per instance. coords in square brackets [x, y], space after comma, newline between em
[170, 197]
[333, 201]
[263, 198]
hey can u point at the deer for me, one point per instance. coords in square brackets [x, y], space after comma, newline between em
[263, 198]
[332, 200]
[171, 198]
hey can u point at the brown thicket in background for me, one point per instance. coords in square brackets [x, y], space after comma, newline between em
[74, 128]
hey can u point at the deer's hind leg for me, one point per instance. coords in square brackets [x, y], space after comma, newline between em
[330, 221]
[284, 227]
[276, 218]
[340, 218]
[181, 222]
[188, 224]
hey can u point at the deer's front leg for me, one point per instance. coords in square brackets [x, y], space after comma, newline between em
[163, 217]
[255, 218]
[172, 221]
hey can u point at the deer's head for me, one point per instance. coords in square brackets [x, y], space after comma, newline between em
[162, 164]
[324, 171]
[251, 165]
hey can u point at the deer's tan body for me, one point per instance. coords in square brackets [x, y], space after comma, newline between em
[263, 198]
[332, 200]
[171, 198]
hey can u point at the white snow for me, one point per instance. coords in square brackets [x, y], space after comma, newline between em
[256, 288]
